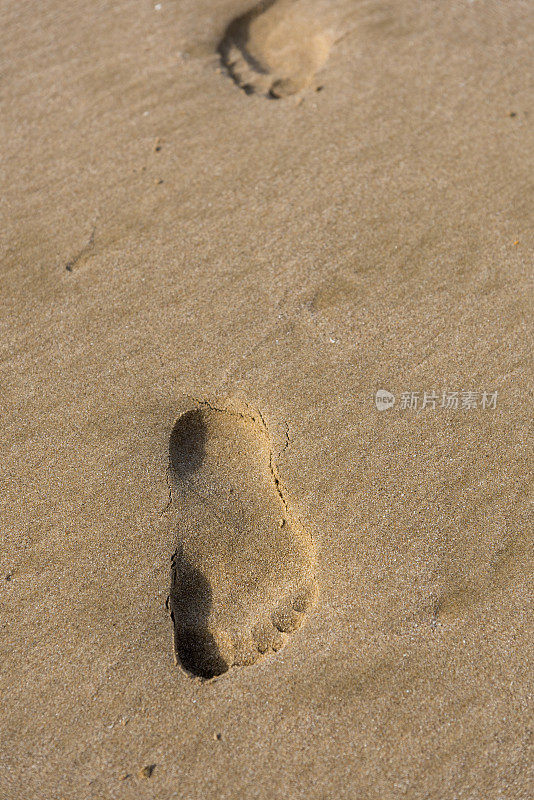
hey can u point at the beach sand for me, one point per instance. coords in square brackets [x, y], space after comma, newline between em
[288, 210]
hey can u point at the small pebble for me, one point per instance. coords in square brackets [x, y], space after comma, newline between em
[147, 771]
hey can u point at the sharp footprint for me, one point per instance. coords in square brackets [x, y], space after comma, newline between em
[243, 575]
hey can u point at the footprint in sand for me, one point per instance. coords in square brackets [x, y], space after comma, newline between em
[277, 47]
[243, 576]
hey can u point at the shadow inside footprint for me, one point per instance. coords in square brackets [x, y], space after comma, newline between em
[191, 593]
[190, 602]
[187, 444]
[237, 34]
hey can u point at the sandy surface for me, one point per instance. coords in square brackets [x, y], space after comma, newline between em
[166, 232]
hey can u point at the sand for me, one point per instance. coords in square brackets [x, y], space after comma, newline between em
[298, 212]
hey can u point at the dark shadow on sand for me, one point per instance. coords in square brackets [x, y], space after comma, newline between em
[190, 592]
[190, 604]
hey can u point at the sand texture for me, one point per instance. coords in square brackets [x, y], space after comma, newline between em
[229, 568]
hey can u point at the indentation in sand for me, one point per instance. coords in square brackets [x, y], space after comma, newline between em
[276, 48]
[243, 575]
